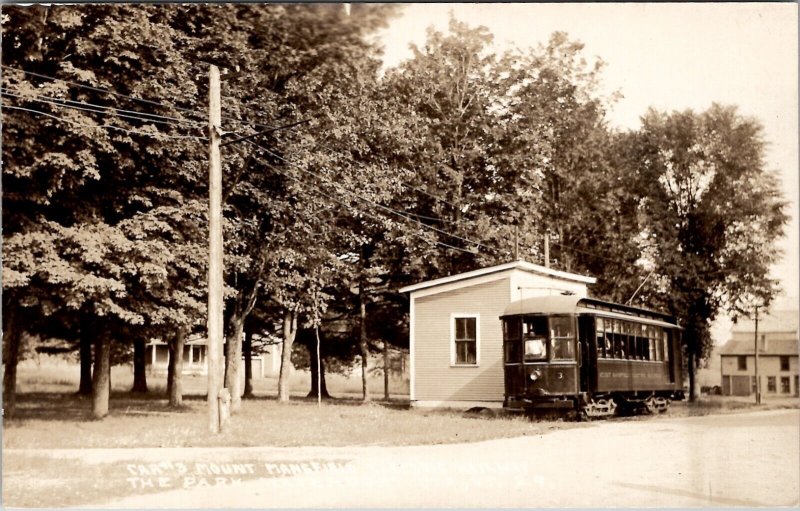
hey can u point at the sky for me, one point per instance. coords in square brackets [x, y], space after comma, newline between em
[666, 56]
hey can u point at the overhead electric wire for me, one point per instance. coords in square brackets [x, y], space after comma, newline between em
[376, 204]
[134, 113]
[306, 187]
[161, 119]
[573, 249]
[103, 91]
[104, 126]
[453, 222]
[270, 130]
[142, 100]
[97, 109]
[411, 187]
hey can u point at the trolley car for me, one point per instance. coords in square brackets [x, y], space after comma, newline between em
[589, 356]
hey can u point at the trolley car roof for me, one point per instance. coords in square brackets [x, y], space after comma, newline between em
[573, 304]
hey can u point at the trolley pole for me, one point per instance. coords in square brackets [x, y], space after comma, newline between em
[215, 268]
[755, 351]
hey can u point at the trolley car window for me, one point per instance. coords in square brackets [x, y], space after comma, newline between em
[512, 329]
[534, 333]
[619, 340]
[600, 338]
[562, 338]
[642, 349]
[535, 349]
[630, 340]
[513, 352]
[512, 334]
[659, 349]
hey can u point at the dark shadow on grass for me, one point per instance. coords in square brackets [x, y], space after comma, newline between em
[71, 407]
[53, 407]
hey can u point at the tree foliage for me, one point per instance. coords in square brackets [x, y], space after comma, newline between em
[440, 165]
[712, 213]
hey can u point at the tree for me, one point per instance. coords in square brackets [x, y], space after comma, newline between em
[80, 196]
[446, 95]
[712, 214]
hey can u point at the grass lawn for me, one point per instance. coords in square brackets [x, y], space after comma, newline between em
[62, 421]
[50, 415]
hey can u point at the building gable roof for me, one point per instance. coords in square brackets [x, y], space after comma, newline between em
[499, 270]
[783, 321]
[773, 347]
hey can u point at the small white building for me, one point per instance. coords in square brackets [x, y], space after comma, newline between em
[265, 364]
[455, 333]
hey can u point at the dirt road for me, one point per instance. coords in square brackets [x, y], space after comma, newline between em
[744, 459]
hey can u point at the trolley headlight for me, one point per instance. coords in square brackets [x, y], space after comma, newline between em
[535, 375]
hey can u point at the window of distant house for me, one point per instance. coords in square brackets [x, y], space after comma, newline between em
[742, 360]
[465, 340]
[785, 388]
[771, 384]
[784, 363]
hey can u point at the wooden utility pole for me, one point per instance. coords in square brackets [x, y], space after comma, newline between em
[755, 352]
[215, 268]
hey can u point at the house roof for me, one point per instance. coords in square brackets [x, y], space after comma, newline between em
[572, 304]
[783, 321]
[515, 265]
[773, 347]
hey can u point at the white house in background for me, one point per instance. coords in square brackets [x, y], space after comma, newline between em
[777, 356]
[455, 333]
[265, 364]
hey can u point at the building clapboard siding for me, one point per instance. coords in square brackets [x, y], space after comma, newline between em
[777, 357]
[477, 299]
[437, 378]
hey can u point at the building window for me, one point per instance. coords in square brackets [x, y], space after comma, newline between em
[771, 384]
[785, 388]
[784, 363]
[742, 362]
[465, 340]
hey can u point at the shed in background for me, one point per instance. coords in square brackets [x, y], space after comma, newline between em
[455, 333]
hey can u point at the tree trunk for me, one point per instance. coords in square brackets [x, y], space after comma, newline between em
[289, 332]
[101, 379]
[691, 366]
[139, 366]
[175, 369]
[315, 377]
[362, 342]
[86, 341]
[233, 359]
[386, 369]
[247, 347]
[11, 342]
[245, 301]
[170, 368]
